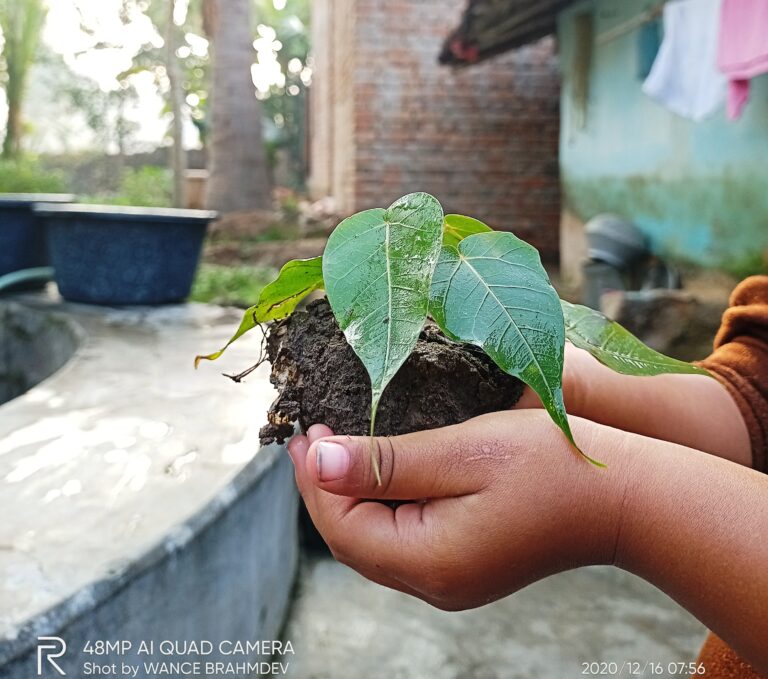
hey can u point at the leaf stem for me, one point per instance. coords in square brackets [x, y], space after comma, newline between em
[374, 460]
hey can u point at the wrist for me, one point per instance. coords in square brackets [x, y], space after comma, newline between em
[602, 492]
[586, 501]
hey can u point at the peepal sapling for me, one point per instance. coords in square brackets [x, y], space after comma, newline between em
[386, 271]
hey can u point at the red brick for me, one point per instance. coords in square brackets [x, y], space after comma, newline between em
[483, 139]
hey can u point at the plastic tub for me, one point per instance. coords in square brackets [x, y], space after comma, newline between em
[124, 255]
[22, 239]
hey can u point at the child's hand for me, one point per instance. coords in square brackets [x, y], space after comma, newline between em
[506, 502]
[693, 410]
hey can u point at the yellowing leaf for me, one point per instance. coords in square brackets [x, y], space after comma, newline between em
[277, 300]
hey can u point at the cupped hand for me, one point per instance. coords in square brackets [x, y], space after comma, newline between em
[492, 504]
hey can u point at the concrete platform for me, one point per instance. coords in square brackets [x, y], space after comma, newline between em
[345, 627]
[135, 501]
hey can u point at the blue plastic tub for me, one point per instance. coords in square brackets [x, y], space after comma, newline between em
[119, 255]
[22, 239]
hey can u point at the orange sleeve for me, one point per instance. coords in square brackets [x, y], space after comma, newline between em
[720, 661]
[740, 360]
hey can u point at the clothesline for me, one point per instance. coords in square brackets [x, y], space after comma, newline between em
[710, 52]
[631, 24]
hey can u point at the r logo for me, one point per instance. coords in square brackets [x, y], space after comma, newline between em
[50, 648]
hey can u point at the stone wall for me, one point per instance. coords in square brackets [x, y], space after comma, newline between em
[387, 119]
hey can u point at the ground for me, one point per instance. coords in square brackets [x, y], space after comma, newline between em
[345, 627]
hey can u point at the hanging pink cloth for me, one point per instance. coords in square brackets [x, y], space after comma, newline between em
[743, 48]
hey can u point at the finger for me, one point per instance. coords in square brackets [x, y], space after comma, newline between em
[431, 464]
[388, 546]
[297, 450]
[318, 431]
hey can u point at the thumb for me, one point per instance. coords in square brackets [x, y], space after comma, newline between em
[426, 464]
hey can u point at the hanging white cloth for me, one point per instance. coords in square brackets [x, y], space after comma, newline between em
[685, 78]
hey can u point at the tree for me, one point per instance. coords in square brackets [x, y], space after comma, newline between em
[166, 66]
[176, 96]
[285, 104]
[21, 22]
[103, 112]
[238, 178]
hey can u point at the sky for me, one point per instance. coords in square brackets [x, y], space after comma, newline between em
[63, 35]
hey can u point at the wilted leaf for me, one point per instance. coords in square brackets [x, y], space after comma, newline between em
[297, 279]
[492, 291]
[377, 267]
[457, 227]
[615, 346]
[277, 300]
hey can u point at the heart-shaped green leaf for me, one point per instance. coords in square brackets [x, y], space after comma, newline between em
[492, 291]
[457, 227]
[277, 300]
[377, 268]
[615, 346]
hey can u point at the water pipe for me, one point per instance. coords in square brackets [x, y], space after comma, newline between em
[40, 273]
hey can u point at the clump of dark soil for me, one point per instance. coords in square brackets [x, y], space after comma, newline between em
[321, 380]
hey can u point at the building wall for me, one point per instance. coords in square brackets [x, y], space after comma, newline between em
[320, 101]
[483, 139]
[698, 190]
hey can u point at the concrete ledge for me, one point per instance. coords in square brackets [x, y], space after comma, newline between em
[136, 502]
[33, 346]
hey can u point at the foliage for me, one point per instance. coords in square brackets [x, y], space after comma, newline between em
[615, 346]
[285, 103]
[295, 281]
[381, 302]
[230, 285]
[148, 186]
[26, 175]
[103, 111]
[491, 290]
[458, 227]
[382, 273]
[108, 113]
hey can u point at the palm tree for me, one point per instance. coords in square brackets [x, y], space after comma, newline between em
[21, 22]
[238, 178]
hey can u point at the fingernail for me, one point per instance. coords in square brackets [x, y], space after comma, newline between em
[332, 461]
[290, 455]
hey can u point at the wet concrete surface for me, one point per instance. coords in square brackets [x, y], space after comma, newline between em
[345, 627]
[136, 501]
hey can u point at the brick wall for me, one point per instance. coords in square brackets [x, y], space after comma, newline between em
[483, 139]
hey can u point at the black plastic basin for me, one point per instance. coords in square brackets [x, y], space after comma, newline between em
[22, 239]
[119, 255]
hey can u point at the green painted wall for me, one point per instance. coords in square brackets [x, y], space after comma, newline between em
[699, 190]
